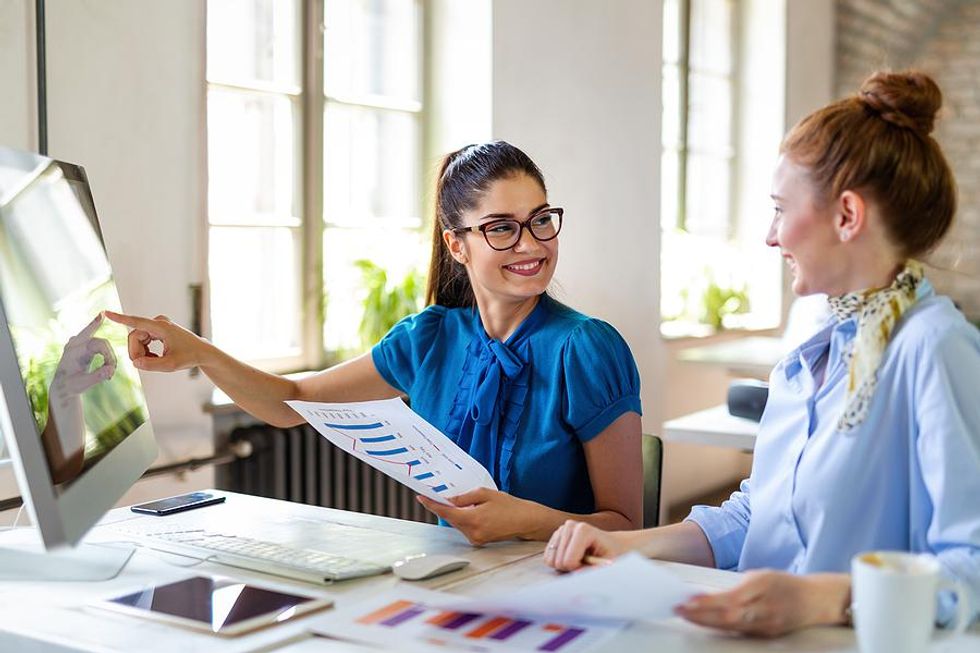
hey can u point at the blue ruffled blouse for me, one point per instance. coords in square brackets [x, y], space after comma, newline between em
[523, 407]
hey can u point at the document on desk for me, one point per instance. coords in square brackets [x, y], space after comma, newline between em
[414, 619]
[632, 587]
[395, 440]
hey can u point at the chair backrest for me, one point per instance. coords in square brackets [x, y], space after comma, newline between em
[653, 458]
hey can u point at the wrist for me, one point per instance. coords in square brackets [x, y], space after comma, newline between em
[834, 592]
[206, 354]
[535, 521]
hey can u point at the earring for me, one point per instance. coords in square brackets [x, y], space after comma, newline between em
[845, 236]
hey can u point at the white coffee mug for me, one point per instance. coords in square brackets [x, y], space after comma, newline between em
[894, 601]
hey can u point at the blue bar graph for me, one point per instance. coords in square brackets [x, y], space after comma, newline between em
[378, 438]
[386, 452]
[354, 427]
[422, 477]
[439, 488]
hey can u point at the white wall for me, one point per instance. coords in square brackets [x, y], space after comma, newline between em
[17, 117]
[576, 84]
[810, 57]
[126, 100]
[459, 89]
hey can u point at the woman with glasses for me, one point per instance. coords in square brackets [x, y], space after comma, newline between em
[871, 435]
[547, 399]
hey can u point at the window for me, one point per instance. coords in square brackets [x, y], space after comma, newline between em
[709, 234]
[699, 103]
[314, 159]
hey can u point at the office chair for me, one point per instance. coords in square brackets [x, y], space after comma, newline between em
[653, 458]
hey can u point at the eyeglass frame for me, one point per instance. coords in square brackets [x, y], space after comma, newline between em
[521, 226]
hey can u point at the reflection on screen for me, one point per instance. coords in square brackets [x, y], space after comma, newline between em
[55, 281]
[216, 603]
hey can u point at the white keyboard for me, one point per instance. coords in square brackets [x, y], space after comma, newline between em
[269, 557]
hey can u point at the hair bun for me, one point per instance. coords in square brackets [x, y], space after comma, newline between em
[909, 99]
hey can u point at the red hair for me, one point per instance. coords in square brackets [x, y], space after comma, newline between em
[878, 143]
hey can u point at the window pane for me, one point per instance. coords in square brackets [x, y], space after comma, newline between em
[709, 127]
[711, 36]
[372, 47]
[671, 128]
[371, 165]
[669, 189]
[672, 25]
[254, 41]
[252, 158]
[255, 293]
[396, 250]
[707, 197]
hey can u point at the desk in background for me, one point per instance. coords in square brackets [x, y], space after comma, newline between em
[713, 426]
[50, 617]
[754, 356]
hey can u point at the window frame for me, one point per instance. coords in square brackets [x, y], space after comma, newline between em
[313, 101]
[683, 110]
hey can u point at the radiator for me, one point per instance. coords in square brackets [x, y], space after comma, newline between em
[298, 464]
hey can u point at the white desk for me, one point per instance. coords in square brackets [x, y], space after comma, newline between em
[754, 356]
[50, 616]
[713, 426]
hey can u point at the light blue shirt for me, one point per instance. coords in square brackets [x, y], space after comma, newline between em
[907, 478]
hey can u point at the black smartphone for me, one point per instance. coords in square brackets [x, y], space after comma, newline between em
[180, 503]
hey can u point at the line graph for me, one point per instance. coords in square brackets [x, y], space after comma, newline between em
[390, 437]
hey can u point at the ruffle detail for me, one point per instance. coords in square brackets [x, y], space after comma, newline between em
[489, 403]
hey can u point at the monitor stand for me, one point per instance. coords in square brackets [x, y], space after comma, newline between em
[85, 562]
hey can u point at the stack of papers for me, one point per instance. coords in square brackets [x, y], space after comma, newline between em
[571, 613]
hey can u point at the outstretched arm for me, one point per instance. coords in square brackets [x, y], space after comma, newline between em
[259, 393]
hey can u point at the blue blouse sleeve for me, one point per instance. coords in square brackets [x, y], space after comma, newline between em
[948, 452]
[400, 353]
[726, 526]
[601, 379]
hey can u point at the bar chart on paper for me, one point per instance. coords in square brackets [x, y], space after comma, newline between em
[393, 439]
[409, 621]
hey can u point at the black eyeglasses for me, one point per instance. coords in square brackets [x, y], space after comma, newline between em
[504, 234]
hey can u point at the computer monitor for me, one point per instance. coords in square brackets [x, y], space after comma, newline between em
[73, 413]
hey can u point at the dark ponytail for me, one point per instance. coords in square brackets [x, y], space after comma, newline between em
[465, 175]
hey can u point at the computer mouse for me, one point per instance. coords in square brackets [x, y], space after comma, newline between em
[427, 565]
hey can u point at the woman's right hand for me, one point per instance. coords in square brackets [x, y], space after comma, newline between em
[181, 349]
[574, 540]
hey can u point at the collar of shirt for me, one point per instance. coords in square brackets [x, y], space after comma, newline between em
[837, 335]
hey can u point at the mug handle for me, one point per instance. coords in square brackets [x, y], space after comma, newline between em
[963, 607]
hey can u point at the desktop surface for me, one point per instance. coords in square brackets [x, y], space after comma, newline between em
[54, 617]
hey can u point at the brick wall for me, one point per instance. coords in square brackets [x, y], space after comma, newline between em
[941, 37]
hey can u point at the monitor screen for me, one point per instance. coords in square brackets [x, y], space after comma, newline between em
[55, 281]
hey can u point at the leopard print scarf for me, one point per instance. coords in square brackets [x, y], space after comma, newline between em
[877, 311]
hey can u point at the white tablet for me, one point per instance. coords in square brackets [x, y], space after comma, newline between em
[220, 606]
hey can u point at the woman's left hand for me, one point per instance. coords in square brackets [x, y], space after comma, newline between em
[771, 603]
[484, 515]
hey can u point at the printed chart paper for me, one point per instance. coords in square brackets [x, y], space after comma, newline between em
[632, 587]
[411, 619]
[392, 438]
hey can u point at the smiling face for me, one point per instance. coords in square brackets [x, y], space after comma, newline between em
[803, 228]
[516, 274]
